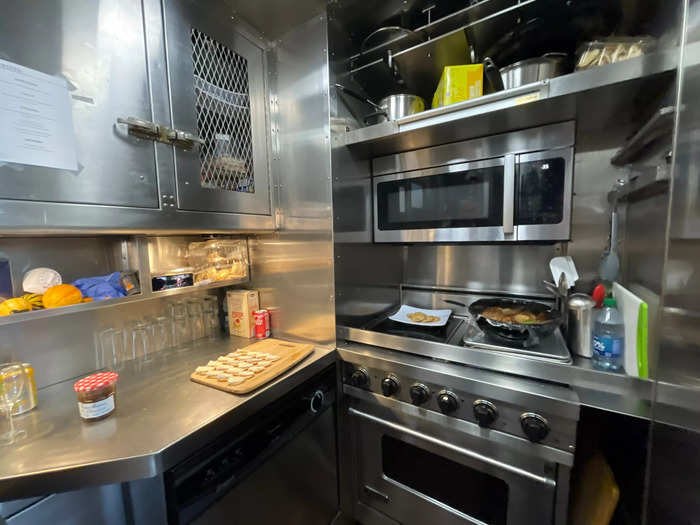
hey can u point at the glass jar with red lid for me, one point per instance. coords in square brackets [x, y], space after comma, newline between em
[97, 395]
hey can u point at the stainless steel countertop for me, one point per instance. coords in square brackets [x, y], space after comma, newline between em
[161, 418]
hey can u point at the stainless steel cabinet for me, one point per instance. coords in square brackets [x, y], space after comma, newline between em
[100, 49]
[217, 88]
[179, 64]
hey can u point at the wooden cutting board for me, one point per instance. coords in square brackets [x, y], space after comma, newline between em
[290, 354]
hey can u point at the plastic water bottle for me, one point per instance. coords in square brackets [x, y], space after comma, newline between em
[609, 337]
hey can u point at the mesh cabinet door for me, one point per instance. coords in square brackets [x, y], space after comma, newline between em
[217, 90]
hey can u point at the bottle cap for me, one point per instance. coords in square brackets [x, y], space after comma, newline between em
[610, 301]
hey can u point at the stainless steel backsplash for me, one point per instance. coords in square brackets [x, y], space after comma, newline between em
[511, 268]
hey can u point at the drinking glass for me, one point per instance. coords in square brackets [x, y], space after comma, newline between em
[13, 381]
[113, 351]
[211, 316]
[196, 317]
[141, 346]
[181, 326]
[162, 333]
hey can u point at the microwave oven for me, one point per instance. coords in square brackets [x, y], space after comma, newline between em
[512, 187]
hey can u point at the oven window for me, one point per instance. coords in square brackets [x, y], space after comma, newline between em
[540, 192]
[469, 491]
[449, 200]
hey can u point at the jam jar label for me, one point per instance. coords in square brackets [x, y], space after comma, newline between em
[96, 409]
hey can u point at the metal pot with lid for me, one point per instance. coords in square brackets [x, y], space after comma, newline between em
[391, 107]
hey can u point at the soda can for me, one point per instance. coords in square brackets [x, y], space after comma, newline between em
[259, 319]
[267, 323]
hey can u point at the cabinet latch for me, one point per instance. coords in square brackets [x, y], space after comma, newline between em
[145, 129]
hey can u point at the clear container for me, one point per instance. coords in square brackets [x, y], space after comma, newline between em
[218, 260]
[613, 49]
[609, 338]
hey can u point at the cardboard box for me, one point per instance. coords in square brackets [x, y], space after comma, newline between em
[459, 83]
[241, 305]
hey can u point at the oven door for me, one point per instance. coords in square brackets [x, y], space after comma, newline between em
[471, 201]
[543, 189]
[416, 473]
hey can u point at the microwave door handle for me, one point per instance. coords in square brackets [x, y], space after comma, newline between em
[544, 480]
[509, 194]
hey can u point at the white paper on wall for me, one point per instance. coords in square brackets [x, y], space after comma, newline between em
[36, 123]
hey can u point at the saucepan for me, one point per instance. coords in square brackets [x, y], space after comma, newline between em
[547, 66]
[392, 107]
[527, 334]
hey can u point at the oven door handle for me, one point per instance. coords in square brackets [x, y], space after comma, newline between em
[460, 450]
[509, 194]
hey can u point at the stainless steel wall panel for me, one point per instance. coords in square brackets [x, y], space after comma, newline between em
[515, 269]
[367, 280]
[293, 269]
[304, 125]
[673, 471]
[294, 274]
[99, 47]
[644, 247]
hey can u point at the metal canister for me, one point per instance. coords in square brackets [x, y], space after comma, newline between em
[580, 328]
[28, 399]
[259, 319]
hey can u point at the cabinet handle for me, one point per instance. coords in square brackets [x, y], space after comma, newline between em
[185, 139]
[137, 127]
[146, 129]
[508, 194]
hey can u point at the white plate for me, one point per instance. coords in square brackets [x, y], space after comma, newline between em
[402, 315]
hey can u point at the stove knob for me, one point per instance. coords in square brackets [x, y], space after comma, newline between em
[447, 402]
[535, 426]
[485, 412]
[390, 385]
[359, 378]
[419, 393]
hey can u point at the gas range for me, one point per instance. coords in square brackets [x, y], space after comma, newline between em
[439, 442]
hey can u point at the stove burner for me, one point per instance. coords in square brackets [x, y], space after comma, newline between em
[552, 347]
[437, 334]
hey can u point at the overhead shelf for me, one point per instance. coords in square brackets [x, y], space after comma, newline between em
[596, 98]
[145, 295]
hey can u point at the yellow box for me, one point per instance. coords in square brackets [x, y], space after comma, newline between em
[459, 83]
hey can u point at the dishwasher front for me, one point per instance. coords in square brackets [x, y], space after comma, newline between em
[278, 468]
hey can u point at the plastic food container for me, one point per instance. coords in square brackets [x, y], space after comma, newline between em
[611, 50]
[97, 395]
[218, 260]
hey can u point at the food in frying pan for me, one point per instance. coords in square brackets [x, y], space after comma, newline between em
[420, 317]
[515, 315]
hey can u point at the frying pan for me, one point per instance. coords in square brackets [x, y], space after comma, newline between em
[526, 334]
